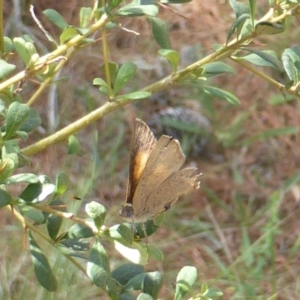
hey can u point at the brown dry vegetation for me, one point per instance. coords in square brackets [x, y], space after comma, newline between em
[247, 174]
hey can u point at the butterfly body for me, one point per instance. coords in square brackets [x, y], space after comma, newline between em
[155, 178]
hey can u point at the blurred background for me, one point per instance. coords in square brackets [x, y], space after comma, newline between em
[241, 235]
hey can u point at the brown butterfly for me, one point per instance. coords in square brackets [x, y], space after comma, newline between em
[155, 178]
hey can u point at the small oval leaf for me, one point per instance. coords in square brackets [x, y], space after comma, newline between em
[5, 198]
[124, 75]
[160, 32]
[17, 114]
[42, 267]
[125, 272]
[172, 57]
[56, 18]
[98, 265]
[222, 94]
[62, 182]
[5, 68]
[97, 212]
[78, 231]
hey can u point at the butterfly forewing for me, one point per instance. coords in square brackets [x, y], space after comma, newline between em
[142, 144]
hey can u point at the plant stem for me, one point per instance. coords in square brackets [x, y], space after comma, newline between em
[33, 228]
[64, 215]
[254, 70]
[61, 50]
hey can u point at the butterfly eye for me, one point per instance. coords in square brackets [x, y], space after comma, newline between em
[127, 212]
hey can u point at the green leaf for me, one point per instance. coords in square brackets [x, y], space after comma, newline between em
[134, 95]
[122, 233]
[114, 3]
[73, 247]
[188, 274]
[7, 166]
[113, 69]
[79, 231]
[222, 94]
[85, 16]
[156, 253]
[239, 8]
[22, 135]
[268, 28]
[100, 82]
[5, 198]
[125, 74]
[31, 49]
[160, 32]
[252, 5]
[291, 64]
[146, 229]
[9, 45]
[236, 24]
[11, 150]
[42, 267]
[143, 296]
[31, 192]
[62, 182]
[34, 214]
[17, 115]
[23, 177]
[6, 97]
[153, 283]
[132, 10]
[32, 122]
[20, 46]
[36, 192]
[97, 212]
[135, 283]
[56, 18]
[68, 33]
[150, 283]
[126, 272]
[74, 147]
[266, 58]
[54, 222]
[185, 279]
[136, 252]
[5, 68]
[216, 68]
[246, 29]
[98, 265]
[172, 57]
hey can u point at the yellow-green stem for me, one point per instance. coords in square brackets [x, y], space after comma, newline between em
[33, 228]
[105, 51]
[279, 85]
[61, 50]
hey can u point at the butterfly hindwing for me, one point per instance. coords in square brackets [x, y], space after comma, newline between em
[165, 159]
[168, 192]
